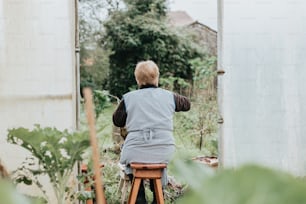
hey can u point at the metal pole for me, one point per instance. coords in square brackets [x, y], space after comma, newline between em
[220, 93]
[77, 66]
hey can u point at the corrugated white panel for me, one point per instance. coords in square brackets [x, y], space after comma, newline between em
[263, 96]
[37, 68]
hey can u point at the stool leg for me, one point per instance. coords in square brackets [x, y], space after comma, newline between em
[123, 191]
[121, 183]
[158, 191]
[134, 190]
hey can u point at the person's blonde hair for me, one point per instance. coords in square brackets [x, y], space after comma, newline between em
[146, 73]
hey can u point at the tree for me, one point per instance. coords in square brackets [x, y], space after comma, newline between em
[140, 32]
[94, 67]
[94, 64]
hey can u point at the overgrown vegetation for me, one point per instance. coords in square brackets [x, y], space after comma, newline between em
[53, 153]
[94, 67]
[94, 57]
[114, 41]
[249, 184]
[141, 32]
[187, 134]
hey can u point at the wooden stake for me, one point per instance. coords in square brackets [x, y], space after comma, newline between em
[89, 107]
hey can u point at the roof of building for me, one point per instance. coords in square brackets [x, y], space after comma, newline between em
[181, 18]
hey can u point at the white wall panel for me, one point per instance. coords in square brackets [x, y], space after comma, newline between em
[263, 90]
[37, 69]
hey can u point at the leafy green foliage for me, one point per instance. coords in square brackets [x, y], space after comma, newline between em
[249, 184]
[175, 84]
[57, 153]
[94, 67]
[196, 131]
[198, 127]
[94, 63]
[140, 33]
[204, 72]
[157, 8]
[101, 101]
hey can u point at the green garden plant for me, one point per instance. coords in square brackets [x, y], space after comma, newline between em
[249, 184]
[204, 72]
[56, 153]
[198, 127]
[101, 101]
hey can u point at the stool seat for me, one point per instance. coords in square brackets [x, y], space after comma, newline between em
[152, 171]
[148, 165]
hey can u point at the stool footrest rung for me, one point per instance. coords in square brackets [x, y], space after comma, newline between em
[148, 166]
[149, 174]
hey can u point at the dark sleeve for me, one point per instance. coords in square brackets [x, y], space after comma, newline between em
[119, 116]
[182, 103]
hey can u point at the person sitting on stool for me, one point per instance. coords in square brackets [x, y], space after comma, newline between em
[147, 114]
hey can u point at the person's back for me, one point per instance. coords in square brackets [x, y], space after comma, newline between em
[149, 108]
[149, 125]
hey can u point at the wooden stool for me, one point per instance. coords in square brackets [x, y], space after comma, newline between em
[147, 171]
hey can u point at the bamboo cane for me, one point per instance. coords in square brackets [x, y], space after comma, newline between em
[89, 107]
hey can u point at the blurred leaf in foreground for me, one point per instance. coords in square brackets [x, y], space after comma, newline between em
[249, 184]
[9, 195]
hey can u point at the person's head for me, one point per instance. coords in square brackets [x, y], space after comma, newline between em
[146, 73]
